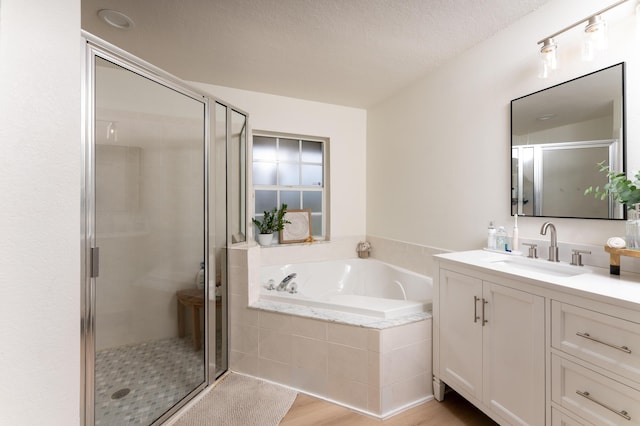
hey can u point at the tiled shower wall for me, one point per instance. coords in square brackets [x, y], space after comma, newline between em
[377, 371]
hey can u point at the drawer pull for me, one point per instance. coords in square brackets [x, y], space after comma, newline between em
[620, 348]
[622, 413]
[475, 308]
[484, 303]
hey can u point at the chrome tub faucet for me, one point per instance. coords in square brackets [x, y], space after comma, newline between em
[283, 284]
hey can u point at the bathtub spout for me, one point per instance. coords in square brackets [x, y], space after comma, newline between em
[283, 284]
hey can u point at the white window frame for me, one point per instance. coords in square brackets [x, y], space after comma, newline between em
[324, 189]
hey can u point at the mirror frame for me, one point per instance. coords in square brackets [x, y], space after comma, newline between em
[618, 161]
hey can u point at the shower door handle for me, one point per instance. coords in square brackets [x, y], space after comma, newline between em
[95, 262]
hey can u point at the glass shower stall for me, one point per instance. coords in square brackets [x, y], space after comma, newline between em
[155, 231]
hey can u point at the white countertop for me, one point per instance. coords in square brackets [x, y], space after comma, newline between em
[595, 283]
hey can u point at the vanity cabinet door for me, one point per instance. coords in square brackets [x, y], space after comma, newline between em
[514, 354]
[461, 332]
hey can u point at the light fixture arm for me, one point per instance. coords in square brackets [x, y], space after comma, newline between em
[600, 12]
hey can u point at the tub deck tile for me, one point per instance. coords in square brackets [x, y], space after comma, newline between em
[337, 317]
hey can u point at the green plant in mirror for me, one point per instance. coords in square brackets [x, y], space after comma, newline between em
[622, 189]
[272, 221]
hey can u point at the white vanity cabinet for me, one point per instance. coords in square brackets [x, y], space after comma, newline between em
[491, 346]
[532, 345]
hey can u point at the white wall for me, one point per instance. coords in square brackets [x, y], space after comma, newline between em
[438, 152]
[40, 212]
[344, 126]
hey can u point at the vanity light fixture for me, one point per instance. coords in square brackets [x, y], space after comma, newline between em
[595, 39]
[116, 19]
[548, 57]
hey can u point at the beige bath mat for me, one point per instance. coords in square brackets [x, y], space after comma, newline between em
[242, 401]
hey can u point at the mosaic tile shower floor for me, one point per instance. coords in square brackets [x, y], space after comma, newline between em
[158, 374]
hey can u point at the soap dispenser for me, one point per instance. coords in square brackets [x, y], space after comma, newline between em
[491, 237]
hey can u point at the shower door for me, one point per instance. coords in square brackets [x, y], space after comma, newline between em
[147, 288]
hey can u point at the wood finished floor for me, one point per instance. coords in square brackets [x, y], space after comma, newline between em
[454, 411]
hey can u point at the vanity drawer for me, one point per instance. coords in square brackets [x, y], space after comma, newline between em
[558, 418]
[592, 396]
[608, 342]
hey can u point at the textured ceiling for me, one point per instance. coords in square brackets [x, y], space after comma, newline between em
[346, 52]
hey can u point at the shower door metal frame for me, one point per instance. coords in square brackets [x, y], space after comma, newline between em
[94, 47]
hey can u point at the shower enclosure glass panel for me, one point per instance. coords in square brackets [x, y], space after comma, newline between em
[149, 159]
[218, 244]
[236, 176]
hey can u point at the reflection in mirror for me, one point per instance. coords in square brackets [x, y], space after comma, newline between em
[558, 136]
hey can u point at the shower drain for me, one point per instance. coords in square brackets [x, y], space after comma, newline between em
[121, 393]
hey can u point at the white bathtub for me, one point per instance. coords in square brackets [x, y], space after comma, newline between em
[358, 286]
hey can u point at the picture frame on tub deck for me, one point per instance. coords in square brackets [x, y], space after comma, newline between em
[299, 230]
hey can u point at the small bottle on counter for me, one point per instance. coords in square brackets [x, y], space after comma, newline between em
[515, 243]
[491, 237]
[502, 239]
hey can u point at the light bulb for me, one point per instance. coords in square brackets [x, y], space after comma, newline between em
[595, 38]
[548, 58]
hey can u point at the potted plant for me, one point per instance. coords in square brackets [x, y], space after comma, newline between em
[622, 189]
[273, 221]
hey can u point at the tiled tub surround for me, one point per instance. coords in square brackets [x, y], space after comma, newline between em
[414, 257]
[378, 370]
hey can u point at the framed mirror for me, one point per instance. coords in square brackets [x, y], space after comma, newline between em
[558, 135]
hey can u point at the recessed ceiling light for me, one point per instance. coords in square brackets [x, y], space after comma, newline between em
[116, 19]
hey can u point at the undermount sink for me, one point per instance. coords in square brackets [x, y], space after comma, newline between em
[542, 266]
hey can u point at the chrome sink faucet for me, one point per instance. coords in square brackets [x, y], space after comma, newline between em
[283, 284]
[553, 248]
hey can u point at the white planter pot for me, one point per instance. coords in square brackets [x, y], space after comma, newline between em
[265, 239]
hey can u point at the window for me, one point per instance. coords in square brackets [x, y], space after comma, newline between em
[291, 170]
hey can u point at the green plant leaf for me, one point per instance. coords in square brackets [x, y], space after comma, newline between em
[272, 221]
[620, 188]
